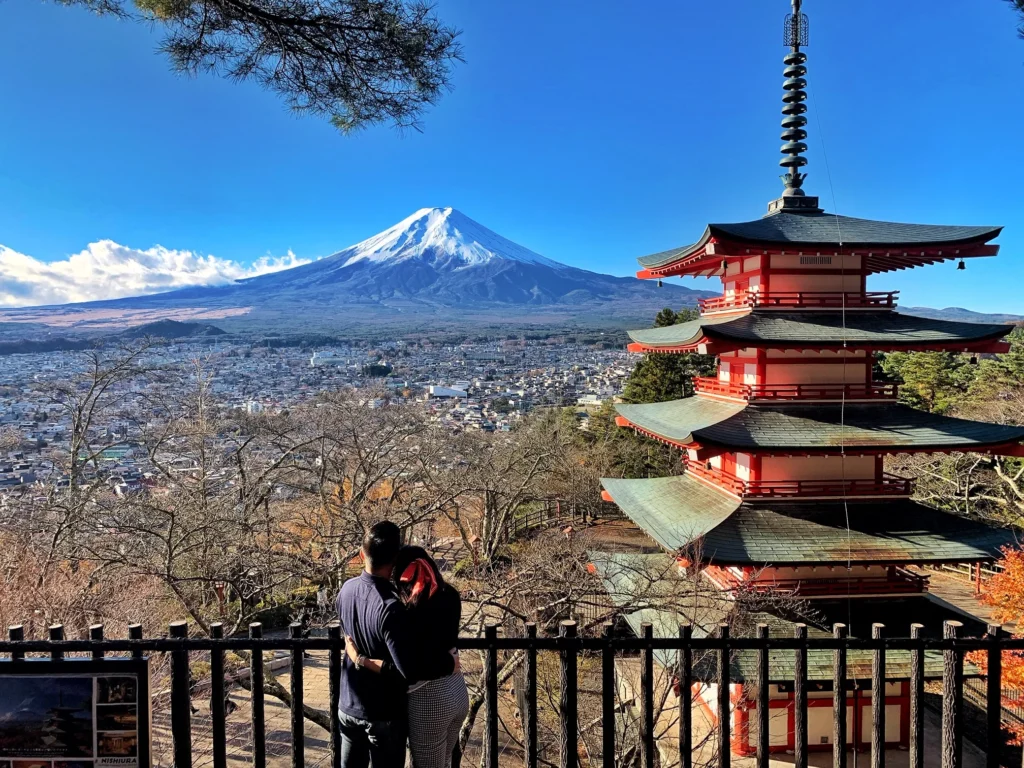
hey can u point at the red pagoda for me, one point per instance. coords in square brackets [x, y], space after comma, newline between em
[784, 485]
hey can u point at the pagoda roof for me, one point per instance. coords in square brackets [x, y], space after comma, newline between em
[815, 428]
[818, 229]
[822, 329]
[678, 511]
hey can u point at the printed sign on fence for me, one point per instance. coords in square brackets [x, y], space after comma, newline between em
[73, 713]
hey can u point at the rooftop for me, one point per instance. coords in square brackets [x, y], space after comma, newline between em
[817, 428]
[678, 511]
[877, 330]
[816, 230]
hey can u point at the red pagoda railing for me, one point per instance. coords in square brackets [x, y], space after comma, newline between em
[899, 582]
[887, 485]
[799, 300]
[713, 386]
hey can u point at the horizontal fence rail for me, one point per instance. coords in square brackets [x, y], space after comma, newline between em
[716, 649]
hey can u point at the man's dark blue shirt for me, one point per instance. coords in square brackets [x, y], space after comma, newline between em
[370, 612]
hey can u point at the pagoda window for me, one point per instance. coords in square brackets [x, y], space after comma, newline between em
[815, 283]
[812, 355]
[793, 261]
[743, 466]
[824, 373]
[774, 468]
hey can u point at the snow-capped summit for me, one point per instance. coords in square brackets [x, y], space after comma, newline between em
[429, 263]
[443, 237]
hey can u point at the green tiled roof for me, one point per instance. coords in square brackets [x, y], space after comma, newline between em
[883, 330]
[673, 510]
[676, 511]
[678, 419]
[826, 428]
[829, 230]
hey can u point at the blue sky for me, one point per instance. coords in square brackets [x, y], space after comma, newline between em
[588, 130]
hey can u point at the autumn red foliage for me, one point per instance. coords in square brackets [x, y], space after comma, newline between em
[1005, 593]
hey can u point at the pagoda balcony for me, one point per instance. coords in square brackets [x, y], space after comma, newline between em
[899, 581]
[710, 385]
[797, 300]
[888, 486]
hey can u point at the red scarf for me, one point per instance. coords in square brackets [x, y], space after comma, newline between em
[419, 576]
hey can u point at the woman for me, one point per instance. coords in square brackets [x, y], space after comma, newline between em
[438, 699]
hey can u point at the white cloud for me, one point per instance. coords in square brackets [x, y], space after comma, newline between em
[106, 270]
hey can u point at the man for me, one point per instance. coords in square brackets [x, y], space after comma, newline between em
[372, 707]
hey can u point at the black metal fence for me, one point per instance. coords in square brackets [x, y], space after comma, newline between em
[177, 645]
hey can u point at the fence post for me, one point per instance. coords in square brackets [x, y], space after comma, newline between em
[16, 633]
[181, 699]
[334, 684]
[135, 633]
[952, 698]
[96, 635]
[218, 699]
[994, 696]
[567, 702]
[491, 684]
[762, 697]
[259, 730]
[647, 696]
[800, 698]
[916, 699]
[298, 718]
[724, 708]
[839, 699]
[685, 697]
[877, 700]
[530, 731]
[56, 635]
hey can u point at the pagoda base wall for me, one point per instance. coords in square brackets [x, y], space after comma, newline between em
[782, 725]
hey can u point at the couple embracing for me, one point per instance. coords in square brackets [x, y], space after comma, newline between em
[400, 677]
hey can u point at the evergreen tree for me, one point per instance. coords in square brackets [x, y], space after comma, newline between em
[930, 381]
[355, 62]
[628, 454]
[657, 378]
[1018, 5]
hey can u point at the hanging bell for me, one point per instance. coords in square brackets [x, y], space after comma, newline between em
[659, 283]
[961, 265]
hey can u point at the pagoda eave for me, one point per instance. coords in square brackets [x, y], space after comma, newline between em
[876, 260]
[712, 347]
[681, 513]
[820, 330]
[705, 449]
[827, 429]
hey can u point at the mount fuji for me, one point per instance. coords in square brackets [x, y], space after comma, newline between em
[433, 262]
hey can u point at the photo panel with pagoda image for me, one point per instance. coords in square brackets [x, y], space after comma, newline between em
[45, 717]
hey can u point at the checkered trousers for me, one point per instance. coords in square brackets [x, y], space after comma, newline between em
[437, 709]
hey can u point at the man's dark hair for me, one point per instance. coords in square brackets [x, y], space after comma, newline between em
[381, 544]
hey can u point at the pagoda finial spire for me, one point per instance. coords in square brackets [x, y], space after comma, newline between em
[793, 121]
[795, 35]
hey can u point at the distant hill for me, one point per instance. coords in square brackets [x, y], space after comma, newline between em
[961, 314]
[171, 329]
[162, 329]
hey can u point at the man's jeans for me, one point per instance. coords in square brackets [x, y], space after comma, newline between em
[376, 743]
